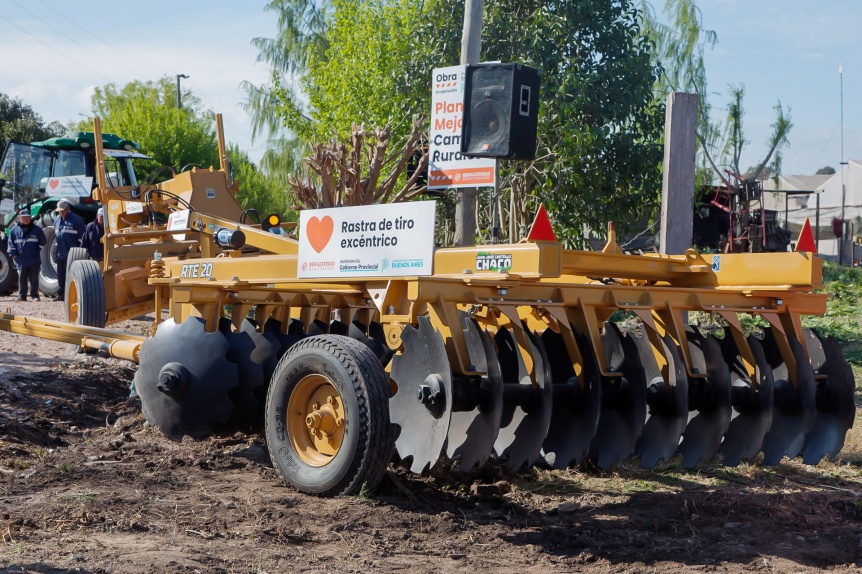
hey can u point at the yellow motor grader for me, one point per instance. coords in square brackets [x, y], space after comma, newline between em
[515, 359]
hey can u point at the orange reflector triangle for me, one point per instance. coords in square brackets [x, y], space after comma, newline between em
[805, 242]
[541, 229]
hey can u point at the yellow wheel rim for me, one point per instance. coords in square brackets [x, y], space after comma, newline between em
[315, 415]
[71, 302]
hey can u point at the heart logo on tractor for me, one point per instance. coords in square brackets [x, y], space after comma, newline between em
[319, 231]
[53, 183]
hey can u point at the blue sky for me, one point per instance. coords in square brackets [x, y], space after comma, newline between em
[787, 50]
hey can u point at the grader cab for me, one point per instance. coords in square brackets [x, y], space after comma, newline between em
[518, 359]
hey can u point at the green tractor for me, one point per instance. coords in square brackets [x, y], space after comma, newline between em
[36, 176]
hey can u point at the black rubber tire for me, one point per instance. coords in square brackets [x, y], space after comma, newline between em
[75, 254]
[8, 273]
[85, 296]
[364, 386]
[48, 283]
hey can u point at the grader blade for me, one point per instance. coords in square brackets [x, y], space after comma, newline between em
[184, 379]
[795, 408]
[751, 399]
[833, 398]
[422, 404]
[575, 411]
[623, 409]
[526, 402]
[476, 420]
[667, 399]
[709, 401]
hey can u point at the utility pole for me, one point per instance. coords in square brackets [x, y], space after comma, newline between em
[677, 198]
[179, 96]
[467, 198]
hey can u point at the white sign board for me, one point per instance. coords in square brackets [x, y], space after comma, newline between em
[69, 186]
[446, 166]
[7, 206]
[178, 220]
[395, 239]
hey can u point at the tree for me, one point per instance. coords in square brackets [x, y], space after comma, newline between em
[599, 152]
[18, 122]
[826, 170]
[257, 190]
[680, 47]
[146, 112]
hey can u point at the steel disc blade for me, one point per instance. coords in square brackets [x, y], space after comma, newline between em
[338, 328]
[266, 352]
[575, 411]
[472, 433]
[193, 402]
[795, 409]
[423, 425]
[373, 338]
[668, 404]
[709, 400]
[318, 327]
[833, 398]
[250, 371]
[295, 333]
[623, 409]
[523, 427]
[752, 407]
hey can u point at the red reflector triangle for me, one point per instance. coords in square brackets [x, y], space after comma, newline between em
[541, 229]
[805, 242]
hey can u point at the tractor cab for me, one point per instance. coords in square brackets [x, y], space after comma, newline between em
[39, 174]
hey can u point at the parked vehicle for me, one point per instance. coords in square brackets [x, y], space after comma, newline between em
[37, 175]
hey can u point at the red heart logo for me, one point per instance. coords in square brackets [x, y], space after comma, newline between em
[319, 231]
[53, 183]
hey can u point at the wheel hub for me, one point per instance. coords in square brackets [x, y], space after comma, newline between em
[316, 415]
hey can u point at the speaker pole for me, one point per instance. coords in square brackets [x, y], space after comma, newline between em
[465, 205]
[495, 214]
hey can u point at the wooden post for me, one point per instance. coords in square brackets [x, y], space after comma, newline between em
[467, 197]
[677, 197]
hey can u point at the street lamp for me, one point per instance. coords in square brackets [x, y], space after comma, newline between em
[841, 242]
[179, 97]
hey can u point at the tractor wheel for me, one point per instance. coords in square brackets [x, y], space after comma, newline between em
[327, 417]
[48, 283]
[8, 273]
[85, 294]
[75, 254]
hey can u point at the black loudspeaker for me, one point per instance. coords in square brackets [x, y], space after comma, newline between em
[501, 111]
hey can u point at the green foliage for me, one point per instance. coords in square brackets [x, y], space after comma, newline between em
[354, 76]
[18, 122]
[146, 112]
[600, 129]
[843, 319]
[599, 154]
[257, 190]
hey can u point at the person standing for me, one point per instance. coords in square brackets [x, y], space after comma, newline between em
[25, 247]
[93, 233]
[68, 231]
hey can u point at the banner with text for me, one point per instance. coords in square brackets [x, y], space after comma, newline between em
[371, 240]
[69, 186]
[446, 166]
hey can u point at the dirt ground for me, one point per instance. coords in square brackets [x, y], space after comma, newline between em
[87, 486]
